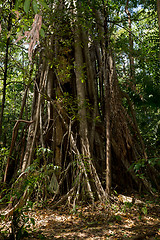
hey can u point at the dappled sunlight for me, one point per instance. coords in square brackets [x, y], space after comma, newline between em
[83, 223]
[79, 119]
[120, 221]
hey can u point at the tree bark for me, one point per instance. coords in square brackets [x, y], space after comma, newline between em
[15, 131]
[92, 94]
[158, 13]
[5, 72]
[35, 117]
[80, 83]
[108, 81]
[131, 58]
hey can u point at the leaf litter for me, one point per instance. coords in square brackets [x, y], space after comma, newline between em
[119, 220]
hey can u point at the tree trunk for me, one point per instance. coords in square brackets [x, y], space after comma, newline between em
[15, 131]
[77, 66]
[35, 117]
[158, 13]
[108, 82]
[92, 94]
[80, 83]
[5, 73]
[131, 58]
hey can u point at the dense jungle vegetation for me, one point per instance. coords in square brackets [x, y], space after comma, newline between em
[79, 113]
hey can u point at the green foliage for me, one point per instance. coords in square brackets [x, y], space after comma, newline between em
[33, 181]
[3, 160]
[141, 165]
[27, 5]
[43, 3]
[127, 205]
[145, 95]
[71, 105]
[143, 210]
[21, 222]
[42, 33]
[40, 150]
[145, 52]
[154, 161]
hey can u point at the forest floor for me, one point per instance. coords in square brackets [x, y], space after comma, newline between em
[123, 219]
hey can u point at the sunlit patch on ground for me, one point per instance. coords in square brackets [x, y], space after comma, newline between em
[122, 221]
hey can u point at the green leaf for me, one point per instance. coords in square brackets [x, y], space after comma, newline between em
[131, 167]
[35, 6]
[42, 33]
[144, 210]
[32, 221]
[118, 218]
[17, 4]
[44, 4]
[2, 217]
[27, 5]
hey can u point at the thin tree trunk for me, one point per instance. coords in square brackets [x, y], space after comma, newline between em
[15, 130]
[158, 13]
[108, 126]
[34, 127]
[80, 83]
[131, 58]
[5, 73]
[91, 86]
[108, 76]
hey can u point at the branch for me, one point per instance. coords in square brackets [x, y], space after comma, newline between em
[14, 136]
[20, 204]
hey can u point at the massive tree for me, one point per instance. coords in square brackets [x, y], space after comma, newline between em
[79, 112]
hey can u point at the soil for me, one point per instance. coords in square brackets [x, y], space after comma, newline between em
[125, 218]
